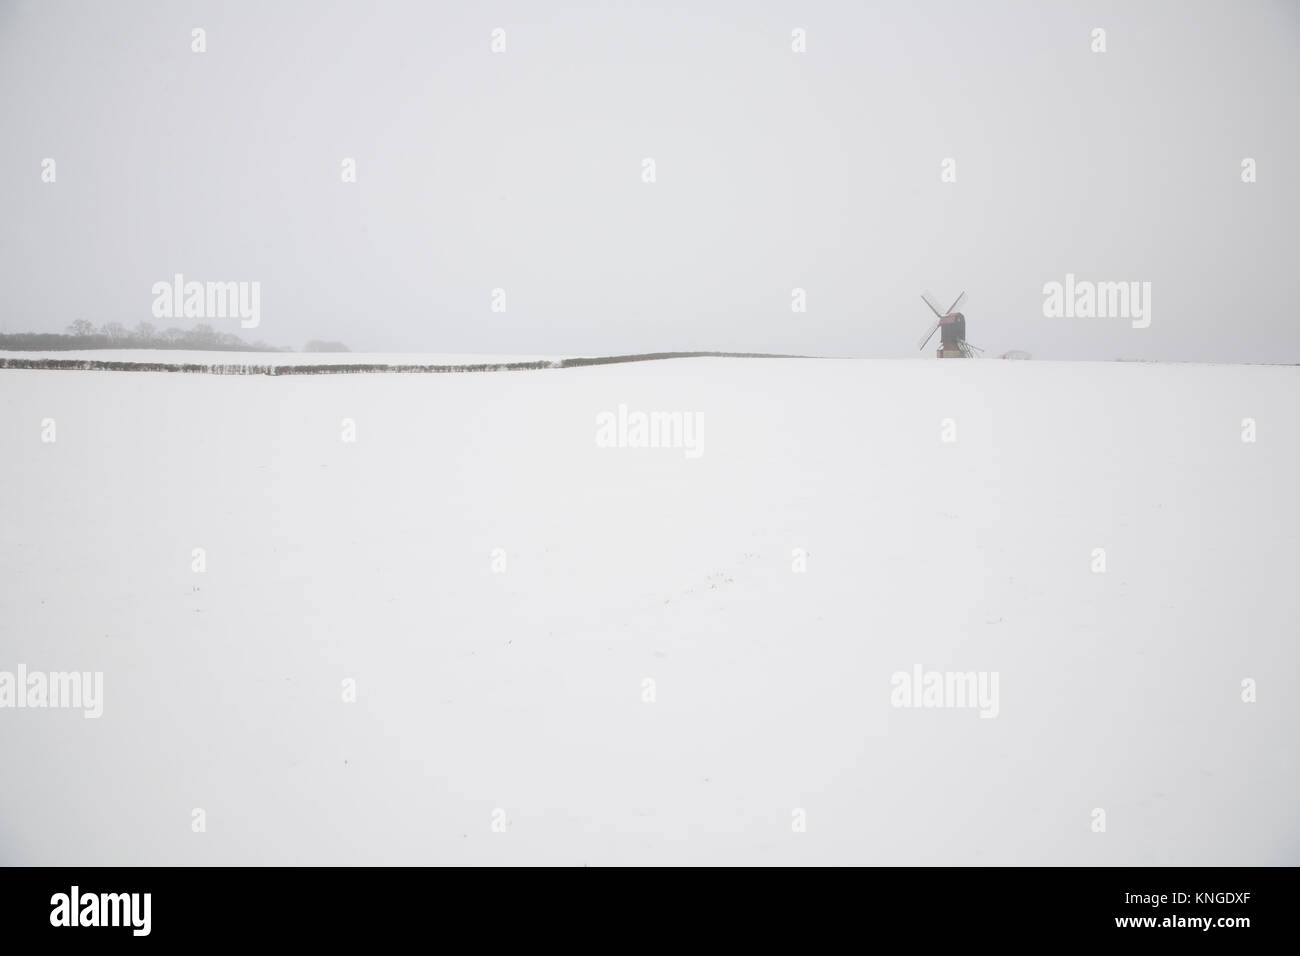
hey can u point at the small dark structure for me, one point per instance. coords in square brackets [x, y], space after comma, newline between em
[952, 337]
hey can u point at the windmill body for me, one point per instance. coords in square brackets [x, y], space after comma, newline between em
[951, 326]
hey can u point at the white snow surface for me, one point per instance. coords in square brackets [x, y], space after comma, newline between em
[522, 691]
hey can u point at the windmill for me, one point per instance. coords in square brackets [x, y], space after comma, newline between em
[952, 340]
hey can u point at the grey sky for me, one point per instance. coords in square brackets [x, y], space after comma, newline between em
[523, 170]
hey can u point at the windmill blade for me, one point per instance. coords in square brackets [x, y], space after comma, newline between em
[925, 297]
[959, 300]
[928, 335]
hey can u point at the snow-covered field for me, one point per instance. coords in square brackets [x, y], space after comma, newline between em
[500, 588]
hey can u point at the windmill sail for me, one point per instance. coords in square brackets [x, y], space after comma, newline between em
[928, 335]
[925, 297]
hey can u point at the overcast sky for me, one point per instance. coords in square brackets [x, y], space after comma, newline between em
[774, 170]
